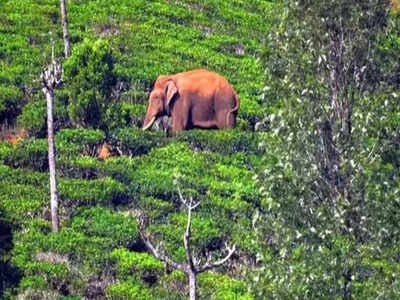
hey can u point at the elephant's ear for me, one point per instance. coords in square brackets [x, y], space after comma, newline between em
[171, 90]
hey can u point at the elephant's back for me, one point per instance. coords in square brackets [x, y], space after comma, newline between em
[202, 79]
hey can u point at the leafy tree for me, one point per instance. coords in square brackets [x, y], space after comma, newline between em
[90, 76]
[325, 194]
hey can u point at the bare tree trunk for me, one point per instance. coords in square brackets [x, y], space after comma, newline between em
[67, 50]
[51, 77]
[52, 161]
[192, 285]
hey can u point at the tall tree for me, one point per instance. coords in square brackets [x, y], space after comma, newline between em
[51, 78]
[325, 61]
[64, 20]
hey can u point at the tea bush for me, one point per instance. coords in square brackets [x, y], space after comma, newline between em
[79, 141]
[11, 102]
[102, 191]
[130, 262]
[102, 222]
[222, 141]
[133, 141]
[131, 289]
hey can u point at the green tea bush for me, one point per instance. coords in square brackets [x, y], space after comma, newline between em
[30, 153]
[6, 150]
[84, 167]
[155, 171]
[221, 141]
[102, 222]
[34, 115]
[21, 203]
[23, 176]
[102, 191]
[206, 234]
[10, 103]
[130, 262]
[134, 141]
[79, 141]
[131, 289]
[156, 209]
[222, 287]
[33, 118]
[56, 257]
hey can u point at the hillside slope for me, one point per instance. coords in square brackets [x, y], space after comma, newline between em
[98, 252]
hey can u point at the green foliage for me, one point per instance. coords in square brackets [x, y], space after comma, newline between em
[130, 289]
[102, 191]
[79, 141]
[133, 141]
[33, 118]
[216, 286]
[84, 167]
[221, 141]
[10, 103]
[89, 73]
[329, 131]
[102, 222]
[21, 203]
[30, 153]
[130, 262]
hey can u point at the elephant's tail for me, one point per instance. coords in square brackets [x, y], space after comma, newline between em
[233, 110]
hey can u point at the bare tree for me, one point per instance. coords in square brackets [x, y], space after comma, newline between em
[192, 265]
[51, 77]
[63, 6]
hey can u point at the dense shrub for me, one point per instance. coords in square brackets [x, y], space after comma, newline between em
[30, 153]
[102, 191]
[79, 141]
[21, 203]
[89, 73]
[10, 103]
[102, 222]
[131, 289]
[222, 287]
[33, 118]
[122, 114]
[84, 167]
[130, 262]
[221, 141]
[34, 115]
[134, 141]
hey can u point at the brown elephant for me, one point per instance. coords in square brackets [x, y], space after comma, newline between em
[193, 99]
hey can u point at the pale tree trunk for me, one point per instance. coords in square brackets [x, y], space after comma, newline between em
[51, 77]
[192, 285]
[52, 161]
[67, 50]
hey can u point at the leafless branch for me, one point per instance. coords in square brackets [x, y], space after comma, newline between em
[209, 266]
[156, 250]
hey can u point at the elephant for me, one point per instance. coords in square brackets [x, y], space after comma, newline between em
[193, 99]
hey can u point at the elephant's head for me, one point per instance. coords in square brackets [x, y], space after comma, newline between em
[160, 100]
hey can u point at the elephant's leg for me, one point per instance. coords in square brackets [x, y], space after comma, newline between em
[180, 116]
[225, 119]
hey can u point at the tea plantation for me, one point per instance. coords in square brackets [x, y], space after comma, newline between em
[119, 47]
[98, 253]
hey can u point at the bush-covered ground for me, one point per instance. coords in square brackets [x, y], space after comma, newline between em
[261, 190]
[98, 252]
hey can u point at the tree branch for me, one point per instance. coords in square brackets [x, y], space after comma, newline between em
[155, 251]
[209, 266]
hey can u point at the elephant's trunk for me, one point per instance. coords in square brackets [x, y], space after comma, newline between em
[148, 125]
